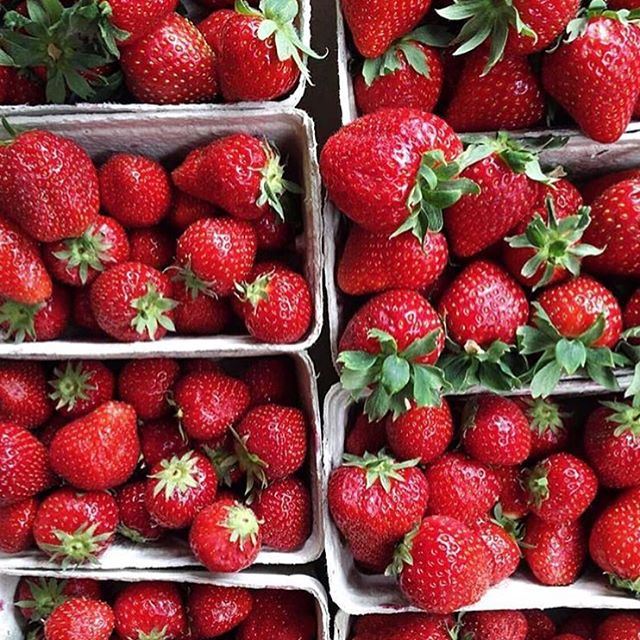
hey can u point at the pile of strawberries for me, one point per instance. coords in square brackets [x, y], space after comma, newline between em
[187, 448]
[145, 51]
[489, 65]
[98, 610]
[132, 251]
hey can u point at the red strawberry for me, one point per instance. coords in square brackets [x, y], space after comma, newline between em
[78, 261]
[555, 552]
[17, 524]
[161, 439]
[139, 17]
[600, 96]
[402, 626]
[272, 232]
[514, 501]
[619, 625]
[597, 185]
[443, 565]
[172, 64]
[213, 611]
[23, 394]
[23, 88]
[212, 28]
[550, 424]
[373, 262]
[461, 488]
[136, 522]
[540, 625]
[48, 186]
[185, 210]
[73, 528]
[80, 619]
[495, 625]
[561, 488]
[199, 312]
[496, 431]
[178, 488]
[80, 387]
[366, 436]
[153, 247]
[82, 313]
[150, 610]
[271, 380]
[209, 403]
[503, 547]
[422, 432]
[631, 314]
[579, 626]
[24, 467]
[225, 536]
[132, 301]
[99, 450]
[284, 511]
[24, 276]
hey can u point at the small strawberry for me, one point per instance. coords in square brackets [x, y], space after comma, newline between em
[214, 611]
[83, 314]
[17, 523]
[495, 625]
[212, 27]
[136, 522]
[153, 247]
[271, 380]
[514, 501]
[540, 625]
[199, 313]
[631, 313]
[185, 210]
[272, 233]
[139, 17]
[403, 626]
[550, 424]
[160, 440]
[23, 394]
[365, 436]
[23, 87]
[80, 619]
[619, 625]
[503, 546]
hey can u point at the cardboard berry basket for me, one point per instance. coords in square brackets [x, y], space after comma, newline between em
[359, 594]
[175, 552]
[168, 136]
[11, 624]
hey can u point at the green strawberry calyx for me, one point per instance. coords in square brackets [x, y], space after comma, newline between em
[152, 312]
[577, 27]
[250, 463]
[242, 524]
[255, 292]
[395, 378]
[273, 186]
[81, 546]
[513, 526]
[194, 285]
[544, 415]
[133, 534]
[224, 463]
[555, 243]
[625, 416]
[70, 385]
[627, 584]
[176, 475]
[18, 321]
[537, 484]
[630, 348]
[380, 468]
[46, 595]
[155, 634]
[402, 555]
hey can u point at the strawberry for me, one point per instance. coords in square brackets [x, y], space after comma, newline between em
[271, 380]
[185, 210]
[136, 522]
[212, 28]
[495, 431]
[153, 247]
[631, 313]
[373, 262]
[506, 97]
[24, 466]
[597, 185]
[284, 511]
[147, 385]
[495, 625]
[598, 95]
[132, 301]
[272, 233]
[225, 536]
[17, 523]
[150, 610]
[178, 488]
[49, 200]
[99, 450]
[549, 423]
[403, 626]
[514, 501]
[540, 625]
[390, 345]
[619, 625]
[80, 619]
[555, 552]
[443, 565]
[23, 394]
[214, 611]
[503, 547]
[366, 436]
[73, 528]
[172, 64]
[561, 488]
[579, 626]
[422, 432]
[224, 460]
[83, 314]
[81, 387]
[23, 88]
[139, 17]
[276, 304]
[24, 275]
[198, 312]
[78, 261]
[161, 439]
[208, 403]
[461, 488]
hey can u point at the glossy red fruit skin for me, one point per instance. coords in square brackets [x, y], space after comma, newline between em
[271, 380]
[17, 524]
[212, 28]
[271, 233]
[548, 439]
[82, 314]
[403, 625]
[51, 321]
[80, 618]
[140, 17]
[370, 166]
[631, 314]
[23, 88]
[496, 625]
[540, 625]
[203, 315]
[214, 611]
[619, 625]
[172, 64]
[483, 304]
[185, 210]
[154, 247]
[161, 439]
[24, 396]
[597, 185]
[365, 436]
[48, 186]
[503, 547]
[136, 522]
[513, 496]
[24, 465]
[575, 305]
[373, 262]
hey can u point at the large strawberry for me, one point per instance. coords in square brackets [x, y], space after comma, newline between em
[80, 618]
[214, 610]
[23, 394]
[594, 73]
[17, 523]
[138, 17]
[212, 27]
[502, 544]
[495, 625]
[619, 625]
[50, 199]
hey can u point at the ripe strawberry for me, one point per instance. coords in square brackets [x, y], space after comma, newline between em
[23, 394]
[597, 185]
[199, 312]
[185, 210]
[80, 387]
[224, 460]
[366, 437]
[284, 511]
[579, 625]
[402, 626]
[271, 380]
[83, 314]
[160, 440]
[80, 619]
[373, 262]
[539, 624]
[50, 200]
[24, 276]
[24, 466]
[153, 247]
[272, 233]
[549, 423]
[214, 611]
[78, 261]
[23, 87]
[209, 403]
[598, 95]
[374, 502]
[17, 523]
[139, 17]
[150, 610]
[212, 27]
[132, 301]
[99, 450]
[502, 545]
[422, 432]
[619, 625]
[631, 313]
[443, 565]
[514, 501]
[136, 522]
[73, 528]
[225, 536]
[461, 488]
[495, 625]
[172, 64]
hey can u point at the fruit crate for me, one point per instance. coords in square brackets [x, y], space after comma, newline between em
[357, 593]
[169, 136]
[11, 629]
[174, 552]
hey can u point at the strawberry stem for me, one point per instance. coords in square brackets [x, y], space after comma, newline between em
[379, 468]
[255, 292]
[176, 475]
[243, 525]
[152, 310]
[46, 595]
[273, 186]
[18, 321]
[71, 385]
[78, 547]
